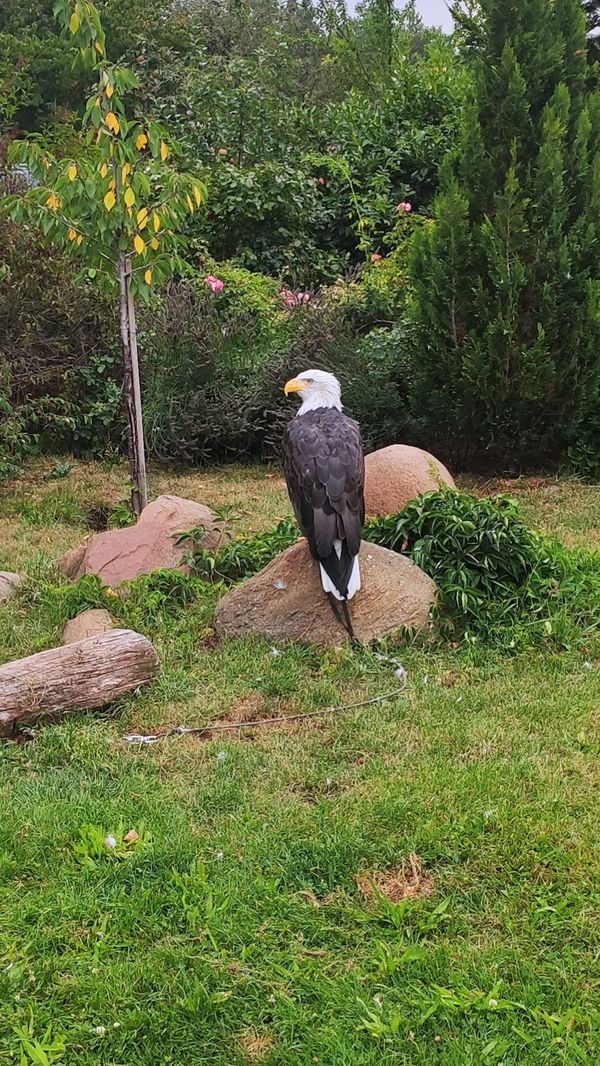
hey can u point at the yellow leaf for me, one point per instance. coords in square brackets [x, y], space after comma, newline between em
[141, 141]
[72, 172]
[129, 197]
[197, 195]
[79, 239]
[99, 48]
[164, 151]
[103, 170]
[112, 184]
[138, 244]
[74, 21]
[154, 244]
[112, 122]
[148, 277]
[189, 202]
[125, 172]
[156, 221]
[109, 91]
[142, 217]
[71, 234]
[109, 200]
[53, 202]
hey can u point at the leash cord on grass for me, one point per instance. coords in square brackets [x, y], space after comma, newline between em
[222, 727]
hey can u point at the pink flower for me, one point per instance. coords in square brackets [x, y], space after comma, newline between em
[376, 258]
[404, 207]
[214, 284]
[294, 299]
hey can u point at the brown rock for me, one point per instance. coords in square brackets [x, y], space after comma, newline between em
[396, 475]
[71, 562]
[123, 554]
[87, 624]
[285, 601]
[9, 584]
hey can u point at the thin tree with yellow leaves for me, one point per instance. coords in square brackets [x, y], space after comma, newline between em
[118, 206]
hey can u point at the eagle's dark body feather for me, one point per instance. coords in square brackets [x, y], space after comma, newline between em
[324, 470]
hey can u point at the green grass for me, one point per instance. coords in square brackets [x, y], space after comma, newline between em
[233, 931]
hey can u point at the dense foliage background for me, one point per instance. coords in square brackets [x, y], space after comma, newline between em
[416, 212]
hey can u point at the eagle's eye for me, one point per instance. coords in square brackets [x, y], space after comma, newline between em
[309, 381]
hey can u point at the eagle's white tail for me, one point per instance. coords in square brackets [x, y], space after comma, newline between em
[353, 583]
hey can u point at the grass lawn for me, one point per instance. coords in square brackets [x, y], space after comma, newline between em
[412, 882]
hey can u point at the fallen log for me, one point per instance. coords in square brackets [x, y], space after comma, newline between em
[80, 676]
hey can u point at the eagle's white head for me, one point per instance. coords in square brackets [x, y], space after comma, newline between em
[318, 389]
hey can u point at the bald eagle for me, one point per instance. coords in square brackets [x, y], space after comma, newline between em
[325, 472]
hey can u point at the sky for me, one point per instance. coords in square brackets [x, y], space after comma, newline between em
[434, 13]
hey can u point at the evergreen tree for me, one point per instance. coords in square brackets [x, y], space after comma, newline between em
[506, 276]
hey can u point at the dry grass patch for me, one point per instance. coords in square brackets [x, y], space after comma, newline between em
[408, 881]
[255, 1046]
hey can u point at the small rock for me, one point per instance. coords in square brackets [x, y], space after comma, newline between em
[71, 562]
[90, 623]
[9, 584]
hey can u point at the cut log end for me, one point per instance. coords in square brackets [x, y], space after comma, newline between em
[88, 674]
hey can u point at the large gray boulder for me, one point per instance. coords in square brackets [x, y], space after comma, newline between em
[285, 601]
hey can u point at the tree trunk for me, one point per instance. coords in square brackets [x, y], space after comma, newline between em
[89, 673]
[132, 389]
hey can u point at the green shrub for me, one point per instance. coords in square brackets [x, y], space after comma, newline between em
[497, 579]
[15, 442]
[215, 363]
[203, 357]
[272, 217]
[239, 557]
[58, 369]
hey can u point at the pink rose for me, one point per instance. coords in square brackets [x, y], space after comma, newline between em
[214, 284]
[404, 207]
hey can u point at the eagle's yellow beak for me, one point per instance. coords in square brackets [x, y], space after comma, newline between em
[294, 385]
